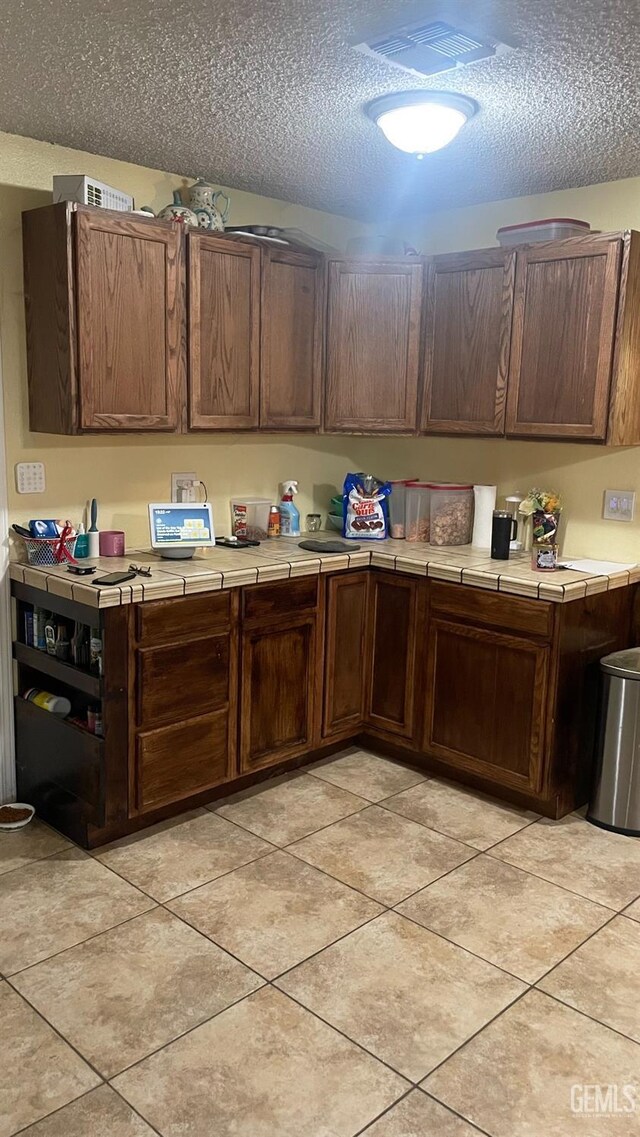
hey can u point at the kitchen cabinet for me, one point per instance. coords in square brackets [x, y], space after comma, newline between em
[564, 331]
[391, 685]
[467, 335]
[345, 652]
[224, 333]
[104, 305]
[291, 346]
[373, 346]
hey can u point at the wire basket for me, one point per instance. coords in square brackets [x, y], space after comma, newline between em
[42, 550]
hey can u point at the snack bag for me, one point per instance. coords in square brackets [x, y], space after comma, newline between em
[366, 508]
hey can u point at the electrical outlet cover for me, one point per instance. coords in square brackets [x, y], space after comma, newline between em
[30, 477]
[176, 480]
[619, 505]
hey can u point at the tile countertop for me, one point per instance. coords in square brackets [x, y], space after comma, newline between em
[282, 558]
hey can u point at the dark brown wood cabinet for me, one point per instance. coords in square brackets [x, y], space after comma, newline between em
[224, 333]
[345, 652]
[373, 346]
[291, 345]
[564, 330]
[391, 686]
[467, 335]
[104, 304]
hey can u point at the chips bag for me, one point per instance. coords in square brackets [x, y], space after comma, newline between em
[365, 508]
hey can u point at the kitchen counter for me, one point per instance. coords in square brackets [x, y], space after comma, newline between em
[281, 559]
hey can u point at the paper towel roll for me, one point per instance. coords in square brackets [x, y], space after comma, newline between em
[485, 503]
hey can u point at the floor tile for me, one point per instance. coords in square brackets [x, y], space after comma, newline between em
[275, 912]
[461, 813]
[507, 916]
[263, 1068]
[418, 1116]
[100, 1113]
[601, 977]
[381, 854]
[19, 847]
[515, 1078]
[60, 902]
[146, 982]
[366, 774]
[180, 854]
[633, 911]
[38, 1071]
[401, 992]
[289, 807]
[602, 866]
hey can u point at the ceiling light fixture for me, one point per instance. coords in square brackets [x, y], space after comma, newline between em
[420, 122]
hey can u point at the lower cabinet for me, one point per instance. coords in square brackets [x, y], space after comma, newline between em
[486, 702]
[277, 691]
[390, 695]
[176, 761]
[345, 653]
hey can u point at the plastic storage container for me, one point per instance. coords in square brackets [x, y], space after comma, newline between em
[257, 517]
[416, 511]
[451, 514]
[549, 229]
[397, 505]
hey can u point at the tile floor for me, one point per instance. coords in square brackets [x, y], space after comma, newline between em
[353, 949]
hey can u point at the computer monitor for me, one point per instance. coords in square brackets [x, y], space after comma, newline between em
[178, 528]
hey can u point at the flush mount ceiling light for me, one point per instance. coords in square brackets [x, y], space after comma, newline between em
[420, 122]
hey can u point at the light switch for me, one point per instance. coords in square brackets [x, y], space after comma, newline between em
[30, 477]
[619, 505]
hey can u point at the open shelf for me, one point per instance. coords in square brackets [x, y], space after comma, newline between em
[65, 672]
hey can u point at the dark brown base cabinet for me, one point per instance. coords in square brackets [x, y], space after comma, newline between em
[204, 695]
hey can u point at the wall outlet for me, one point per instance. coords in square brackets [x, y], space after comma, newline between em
[30, 477]
[619, 505]
[180, 489]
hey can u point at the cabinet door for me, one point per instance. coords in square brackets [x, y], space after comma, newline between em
[373, 346]
[345, 653]
[486, 702]
[277, 698]
[292, 319]
[130, 322]
[564, 323]
[394, 637]
[224, 333]
[469, 303]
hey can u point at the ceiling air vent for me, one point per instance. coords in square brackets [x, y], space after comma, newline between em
[428, 49]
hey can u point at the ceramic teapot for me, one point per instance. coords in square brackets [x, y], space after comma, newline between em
[179, 212]
[203, 199]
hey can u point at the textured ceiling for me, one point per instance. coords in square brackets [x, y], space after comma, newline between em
[268, 96]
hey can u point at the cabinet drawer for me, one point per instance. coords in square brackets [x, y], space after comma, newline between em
[180, 760]
[182, 680]
[288, 597]
[165, 621]
[493, 609]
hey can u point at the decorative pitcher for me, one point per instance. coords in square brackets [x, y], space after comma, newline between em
[179, 212]
[203, 199]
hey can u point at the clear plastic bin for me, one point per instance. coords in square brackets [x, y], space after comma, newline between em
[397, 505]
[451, 514]
[417, 517]
[548, 229]
[257, 518]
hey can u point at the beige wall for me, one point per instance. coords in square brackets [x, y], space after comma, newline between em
[125, 473]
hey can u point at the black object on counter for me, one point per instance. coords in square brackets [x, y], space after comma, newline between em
[503, 530]
[329, 546]
[236, 542]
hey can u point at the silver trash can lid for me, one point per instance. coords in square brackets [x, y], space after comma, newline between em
[625, 664]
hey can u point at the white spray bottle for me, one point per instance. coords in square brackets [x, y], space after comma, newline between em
[289, 514]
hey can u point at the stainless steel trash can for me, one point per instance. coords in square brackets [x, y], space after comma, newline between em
[615, 800]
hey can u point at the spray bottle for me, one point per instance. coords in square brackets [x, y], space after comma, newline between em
[289, 515]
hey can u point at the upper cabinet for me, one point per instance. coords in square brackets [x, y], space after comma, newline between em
[104, 305]
[291, 345]
[224, 333]
[373, 346]
[468, 310]
[564, 327]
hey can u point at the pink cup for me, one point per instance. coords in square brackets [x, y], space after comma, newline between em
[111, 543]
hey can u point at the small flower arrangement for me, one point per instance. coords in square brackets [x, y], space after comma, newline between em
[544, 507]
